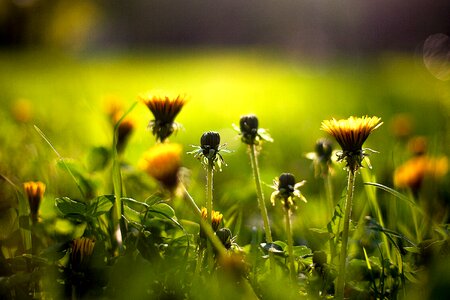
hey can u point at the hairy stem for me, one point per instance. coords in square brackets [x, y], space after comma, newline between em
[261, 202]
[340, 285]
[290, 242]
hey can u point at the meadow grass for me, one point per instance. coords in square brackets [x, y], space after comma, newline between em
[66, 97]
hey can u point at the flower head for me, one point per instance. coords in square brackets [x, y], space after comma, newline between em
[412, 173]
[81, 252]
[287, 190]
[209, 150]
[162, 162]
[216, 218]
[321, 157]
[34, 191]
[165, 109]
[351, 134]
[251, 134]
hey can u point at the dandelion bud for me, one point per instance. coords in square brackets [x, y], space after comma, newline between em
[81, 252]
[34, 191]
[216, 218]
[226, 237]
[249, 128]
[286, 183]
[324, 150]
[210, 141]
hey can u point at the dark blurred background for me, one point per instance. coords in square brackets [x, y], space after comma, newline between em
[318, 28]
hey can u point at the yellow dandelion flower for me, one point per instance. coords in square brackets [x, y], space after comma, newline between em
[351, 134]
[162, 162]
[34, 191]
[216, 218]
[165, 108]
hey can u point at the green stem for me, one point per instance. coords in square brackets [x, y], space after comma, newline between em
[329, 193]
[290, 242]
[339, 293]
[261, 202]
[217, 244]
[209, 192]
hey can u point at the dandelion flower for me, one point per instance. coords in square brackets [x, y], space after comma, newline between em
[351, 134]
[165, 109]
[81, 252]
[287, 190]
[35, 192]
[412, 173]
[162, 162]
[216, 218]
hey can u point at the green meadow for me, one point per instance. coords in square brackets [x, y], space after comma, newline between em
[66, 97]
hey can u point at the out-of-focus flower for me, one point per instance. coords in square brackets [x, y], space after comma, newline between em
[35, 192]
[163, 162]
[351, 134]
[418, 145]
[287, 190]
[401, 125]
[412, 173]
[115, 111]
[250, 131]
[209, 150]
[165, 108]
[321, 157]
[81, 252]
[22, 110]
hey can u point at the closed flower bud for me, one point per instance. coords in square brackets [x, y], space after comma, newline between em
[324, 150]
[286, 184]
[249, 128]
[210, 141]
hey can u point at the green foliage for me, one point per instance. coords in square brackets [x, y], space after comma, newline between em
[147, 242]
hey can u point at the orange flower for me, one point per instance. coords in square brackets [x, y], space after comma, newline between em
[162, 162]
[412, 173]
[34, 191]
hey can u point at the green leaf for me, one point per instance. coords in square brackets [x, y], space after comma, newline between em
[274, 248]
[300, 251]
[391, 191]
[162, 209]
[98, 158]
[131, 215]
[68, 206]
[412, 249]
[100, 205]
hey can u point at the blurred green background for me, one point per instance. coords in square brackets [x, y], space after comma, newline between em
[292, 63]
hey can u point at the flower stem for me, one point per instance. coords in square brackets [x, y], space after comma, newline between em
[327, 180]
[290, 242]
[209, 192]
[206, 226]
[340, 285]
[261, 202]
[209, 208]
